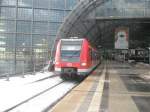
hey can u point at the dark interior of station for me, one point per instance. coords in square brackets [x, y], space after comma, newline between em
[139, 37]
[139, 32]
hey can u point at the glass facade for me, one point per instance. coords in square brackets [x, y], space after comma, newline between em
[124, 8]
[27, 32]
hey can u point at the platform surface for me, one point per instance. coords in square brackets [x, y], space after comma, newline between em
[112, 87]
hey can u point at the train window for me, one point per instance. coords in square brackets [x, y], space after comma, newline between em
[91, 53]
[69, 47]
[70, 56]
[65, 53]
[70, 50]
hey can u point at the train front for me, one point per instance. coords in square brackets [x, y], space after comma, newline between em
[68, 59]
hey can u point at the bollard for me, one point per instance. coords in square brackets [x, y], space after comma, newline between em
[43, 68]
[34, 69]
[23, 69]
[7, 77]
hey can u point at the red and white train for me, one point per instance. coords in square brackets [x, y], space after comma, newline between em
[75, 57]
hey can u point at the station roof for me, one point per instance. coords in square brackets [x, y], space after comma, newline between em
[96, 20]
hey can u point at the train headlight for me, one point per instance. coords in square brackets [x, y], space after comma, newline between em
[83, 64]
[57, 63]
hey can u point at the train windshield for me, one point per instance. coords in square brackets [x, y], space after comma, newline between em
[71, 54]
[70, 51]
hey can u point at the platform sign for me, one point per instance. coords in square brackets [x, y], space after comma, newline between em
[122, 38]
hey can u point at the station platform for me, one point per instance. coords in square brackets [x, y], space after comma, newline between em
[112, 87]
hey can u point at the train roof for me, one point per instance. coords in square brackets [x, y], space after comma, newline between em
[73, 39]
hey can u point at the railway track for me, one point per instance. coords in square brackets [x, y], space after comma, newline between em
[31, 98]
[46, 86]
[45, 78]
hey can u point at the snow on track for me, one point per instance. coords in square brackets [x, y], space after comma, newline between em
[19, 89]
[45, 100]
